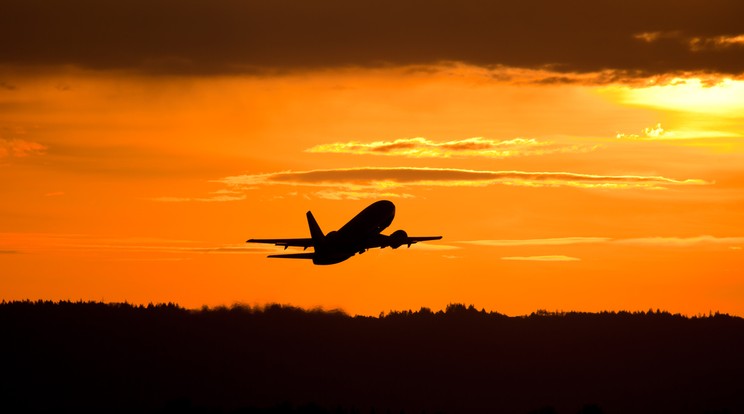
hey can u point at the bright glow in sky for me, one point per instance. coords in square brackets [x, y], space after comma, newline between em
[580, 158]
[549, 196]
[723, 98]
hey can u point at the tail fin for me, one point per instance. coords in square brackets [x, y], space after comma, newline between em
[315, 232]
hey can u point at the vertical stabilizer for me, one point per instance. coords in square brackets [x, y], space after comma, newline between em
[315, 232]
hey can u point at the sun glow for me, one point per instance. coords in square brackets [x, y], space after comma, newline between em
[216, 160]
[725, 97]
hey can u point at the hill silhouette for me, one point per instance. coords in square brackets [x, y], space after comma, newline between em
[119, 358]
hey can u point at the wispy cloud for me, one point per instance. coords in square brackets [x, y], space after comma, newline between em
[637, 241]
[213, 199]
[434, 247]
[682, 241]
[694, 43]
[216, 197]
[698, 44]
[471, 147]
[552, 258]
[650, 37]
[18, 148]
[385, 179]
[656, 132]
[358, 195]
[559, 241]
[12, 243]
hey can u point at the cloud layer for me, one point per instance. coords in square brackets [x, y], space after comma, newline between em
[471, 147]
[227, 36]
[380, 179]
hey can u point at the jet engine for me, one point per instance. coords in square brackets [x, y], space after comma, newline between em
[398, 238]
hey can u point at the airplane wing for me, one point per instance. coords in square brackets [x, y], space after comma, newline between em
[304, 243]
[293, 256]
[397, 239]
[413, 240]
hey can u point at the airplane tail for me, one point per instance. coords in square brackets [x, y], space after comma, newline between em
[315, 232]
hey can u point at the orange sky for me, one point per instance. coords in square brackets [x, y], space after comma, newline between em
[580, 193]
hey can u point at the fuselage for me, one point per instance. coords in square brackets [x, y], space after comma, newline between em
[352, 238]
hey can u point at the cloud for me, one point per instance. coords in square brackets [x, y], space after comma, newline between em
[654, 132]
[650, 37]
[737, 40]
[692, 42]
[682, 241]
[553, 258]
[716, 42]
[358, 195]
[560, 241]
[638, 241]
[218, 197]
[385, 179]
[12, 243]
[471, 147]
[434, 247]
[179, 249]
[228, 249]
[20, 148]
[214, 199]
[227, 36]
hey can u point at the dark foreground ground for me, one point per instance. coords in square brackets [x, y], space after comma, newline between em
[111, 358]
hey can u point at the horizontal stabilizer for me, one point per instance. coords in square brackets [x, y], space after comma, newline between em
[293, 256]
[304, 243]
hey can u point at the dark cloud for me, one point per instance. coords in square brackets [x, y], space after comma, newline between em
[232, 36]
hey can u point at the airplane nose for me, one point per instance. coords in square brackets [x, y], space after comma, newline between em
[387, 205]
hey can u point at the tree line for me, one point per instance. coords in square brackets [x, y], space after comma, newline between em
[119, 357]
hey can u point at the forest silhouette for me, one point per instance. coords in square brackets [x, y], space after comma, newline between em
[87, 357]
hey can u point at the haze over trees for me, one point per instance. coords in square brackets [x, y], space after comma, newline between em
[95, 357]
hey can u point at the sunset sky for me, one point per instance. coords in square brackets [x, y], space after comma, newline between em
[574, 155]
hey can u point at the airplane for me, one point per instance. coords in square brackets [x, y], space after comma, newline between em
[359, 234]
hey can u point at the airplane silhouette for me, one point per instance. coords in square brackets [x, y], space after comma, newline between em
[359, 234]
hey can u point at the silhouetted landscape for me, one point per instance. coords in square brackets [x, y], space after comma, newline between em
[120, 358]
